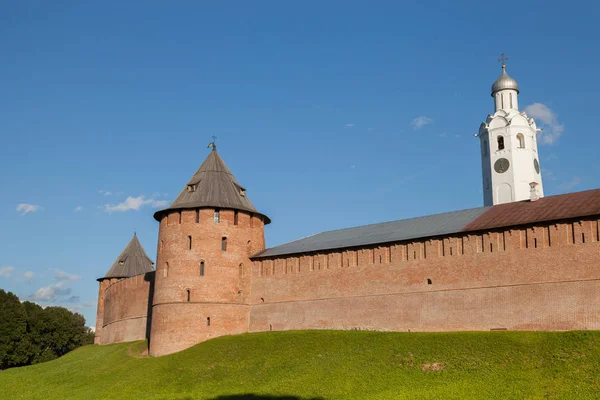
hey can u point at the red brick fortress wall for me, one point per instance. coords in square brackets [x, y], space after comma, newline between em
[542, 277]
[189, 307]
[126, 305]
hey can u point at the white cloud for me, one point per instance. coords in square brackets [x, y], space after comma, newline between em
[421, 121]
[349, 126]
[544, 116]
[570, 185]
[135, 203]
[104, 193]
[58, 289]
[548, 174]
[6, 271]
[78, 208]
[28, 275]
[25, 208]
[160, 203]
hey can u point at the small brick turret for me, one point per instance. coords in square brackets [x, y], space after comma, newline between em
[203, 273]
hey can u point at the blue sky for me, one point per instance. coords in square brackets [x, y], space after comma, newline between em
[332, 114]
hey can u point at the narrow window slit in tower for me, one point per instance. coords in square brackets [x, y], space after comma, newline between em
[217, 216]
[235, 217]
[356, 257]
[414, 254]
[535, 243]
[491, 247]
[224, 243]
[380, 259]
[573, 233]
[482, 245]
[179, 217]
[450, 250]
[503, 241]
[166, 273]
[270, 327]
[201, 268]
[462, 246]
[197, 216]
[526, 238]
[189, 238]
[188, 295]
[582, 237]
[207, 321]
[443, 248]
[549, 238]
[597, 231]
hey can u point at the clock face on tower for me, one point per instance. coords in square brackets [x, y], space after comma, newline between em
[501, 165]
[536, 165]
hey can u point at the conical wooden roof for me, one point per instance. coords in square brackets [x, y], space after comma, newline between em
[132, 261]
[213, 185]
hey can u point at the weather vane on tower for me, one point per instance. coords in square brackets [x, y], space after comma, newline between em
[213, 144]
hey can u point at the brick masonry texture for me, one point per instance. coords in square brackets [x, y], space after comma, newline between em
[542, 276]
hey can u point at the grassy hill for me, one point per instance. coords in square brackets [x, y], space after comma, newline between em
[327, 365]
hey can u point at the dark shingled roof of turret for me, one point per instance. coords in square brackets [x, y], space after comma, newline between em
[132, 261]
[214, 186]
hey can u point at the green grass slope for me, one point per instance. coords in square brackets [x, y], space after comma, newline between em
[327, 365]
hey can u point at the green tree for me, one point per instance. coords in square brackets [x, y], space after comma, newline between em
[14, 346]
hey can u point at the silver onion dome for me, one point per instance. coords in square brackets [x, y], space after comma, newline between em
[504, 82]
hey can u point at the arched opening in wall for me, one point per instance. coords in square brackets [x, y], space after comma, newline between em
[189, 242]
[217, 216]
[429, 281]
[500, 142]
[201, 268]
[207, 321]
[249, 246]
[188, 295]
[235, 217]
[521, 140]
[224, 243]
[166, 270]
[262, 299]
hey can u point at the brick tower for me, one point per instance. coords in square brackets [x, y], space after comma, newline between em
[132, 261]
[203, 274]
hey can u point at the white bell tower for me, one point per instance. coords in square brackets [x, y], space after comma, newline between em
[509, 156]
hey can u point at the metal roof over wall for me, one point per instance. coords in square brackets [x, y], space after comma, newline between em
[546, 209]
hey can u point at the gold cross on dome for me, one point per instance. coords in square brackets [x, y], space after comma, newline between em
[502, 59]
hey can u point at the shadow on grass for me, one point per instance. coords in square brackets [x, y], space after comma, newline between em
[251, 396]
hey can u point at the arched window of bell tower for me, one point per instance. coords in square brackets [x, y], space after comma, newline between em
[500, 142]
[521, 140]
